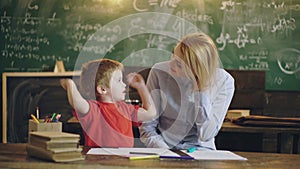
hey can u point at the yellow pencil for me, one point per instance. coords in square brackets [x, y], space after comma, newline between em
[34, 118]
[144, 157]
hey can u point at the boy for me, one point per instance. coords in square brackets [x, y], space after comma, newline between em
[105, 118]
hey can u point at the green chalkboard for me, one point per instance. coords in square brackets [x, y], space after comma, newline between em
[250, 34]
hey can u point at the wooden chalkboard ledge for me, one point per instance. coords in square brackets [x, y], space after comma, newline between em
[40, 74]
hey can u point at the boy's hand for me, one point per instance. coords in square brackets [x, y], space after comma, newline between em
[135, 80]
[65, 83]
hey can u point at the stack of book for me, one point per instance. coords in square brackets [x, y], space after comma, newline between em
[54, 146]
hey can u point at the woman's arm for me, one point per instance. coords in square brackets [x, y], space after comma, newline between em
[78, 103]
[211, 113]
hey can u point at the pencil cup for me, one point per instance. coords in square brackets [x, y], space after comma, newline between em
[54, 126]
[44, 127]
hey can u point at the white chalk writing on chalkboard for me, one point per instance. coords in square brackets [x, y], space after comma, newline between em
[195, 16]
[289, 60]
[43, 31]
[24, 42]
[132, 25]
[283, 23]
[255, 60]
[163, 3]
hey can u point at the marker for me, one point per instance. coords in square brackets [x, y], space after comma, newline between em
[53, 118]
[34, 118]
[192, 149]
[58, 117]
[144, 157]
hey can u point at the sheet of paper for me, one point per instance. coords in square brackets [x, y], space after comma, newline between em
[130, 151]
[214, 155]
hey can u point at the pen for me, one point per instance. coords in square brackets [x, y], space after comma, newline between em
[192, 149]
[34, 118]
[143, 153]
[144, 157]
[178, 157]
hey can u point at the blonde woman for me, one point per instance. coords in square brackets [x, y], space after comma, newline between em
[191, 94]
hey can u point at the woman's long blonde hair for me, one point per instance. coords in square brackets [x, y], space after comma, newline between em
[201, 57]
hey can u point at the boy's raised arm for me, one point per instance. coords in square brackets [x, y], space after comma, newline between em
[78, 103]
[148, 112]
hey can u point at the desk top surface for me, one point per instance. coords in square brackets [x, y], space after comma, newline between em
[15, 156]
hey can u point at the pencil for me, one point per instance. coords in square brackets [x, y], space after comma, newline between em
[34, 118]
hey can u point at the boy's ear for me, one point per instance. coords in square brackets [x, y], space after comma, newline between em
[101, 90]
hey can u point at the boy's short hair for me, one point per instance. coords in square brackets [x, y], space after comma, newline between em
[95, 73]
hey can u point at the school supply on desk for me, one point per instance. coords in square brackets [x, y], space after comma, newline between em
[182, 155]
[55, 155]
[127, 151]
[64, 142]
[48, 124]
[141, 153]
[166, 154]
[55, 117]
[55, 136]
[178, 158]
[34, 118]
[54, 146]
[37, 113]
[42, 126]
[214, 155]
[142, 157]
[192, 149]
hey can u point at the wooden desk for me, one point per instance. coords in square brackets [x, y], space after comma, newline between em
[15, 156]
[274, 139]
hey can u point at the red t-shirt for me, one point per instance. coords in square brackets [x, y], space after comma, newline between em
[108, 124]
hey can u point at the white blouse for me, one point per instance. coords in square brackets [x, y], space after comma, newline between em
[185, 119]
